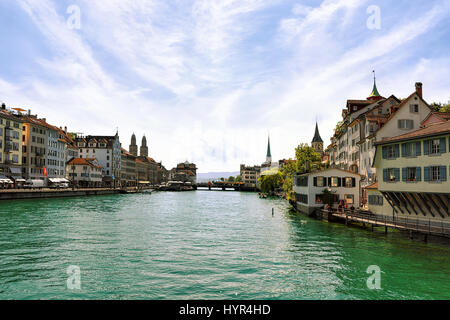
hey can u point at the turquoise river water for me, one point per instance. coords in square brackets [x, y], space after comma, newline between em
[204, 245]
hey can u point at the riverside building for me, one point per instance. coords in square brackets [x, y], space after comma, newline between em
[85, 172]
[309, 189]
[366, 122]
[10, 147]
[107, 151]
[413, 174]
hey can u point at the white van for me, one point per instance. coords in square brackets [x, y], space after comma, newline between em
[34, 184]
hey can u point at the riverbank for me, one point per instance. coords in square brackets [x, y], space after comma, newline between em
[19, 194]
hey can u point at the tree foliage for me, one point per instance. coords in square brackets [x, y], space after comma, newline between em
[270, 182]
[440, 107]
[304, 153]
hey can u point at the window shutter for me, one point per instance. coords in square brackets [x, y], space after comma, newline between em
[399, 124]
[315, 182]
[397, 174]
[404, 150]
[410, 124]
[426, 173]
[418, 173]
[385, 175]
[426, 147]
[396, 151]
[324, 181]
[404, 174]
[443, 173]
[339, 182]
[353, 182]
[443, 145]
[418, 149]
[329, 181]
[384, 153]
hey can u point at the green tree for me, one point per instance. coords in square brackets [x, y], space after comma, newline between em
[445, 108]
[270, 182]
[222, 179]
[440, 107]
[288, 172]
[304, 153]
[231, 179]
[238, 178]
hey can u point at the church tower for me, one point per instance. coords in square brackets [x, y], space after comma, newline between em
[317, 142]
[133, 146]
[268, 155]
[144, 148]
[375, 95]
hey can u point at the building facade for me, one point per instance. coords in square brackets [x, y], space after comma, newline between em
[413, 173]
[82, 172]
[309, 189]
[250, 175]
[10, 145]
[108, 152]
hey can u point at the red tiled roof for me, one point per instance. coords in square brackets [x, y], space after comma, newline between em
[81, 162]
[432, 130]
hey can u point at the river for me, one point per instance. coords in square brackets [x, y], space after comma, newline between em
[204, 245]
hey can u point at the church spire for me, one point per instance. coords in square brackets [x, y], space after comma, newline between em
[317, 142]
[374, 95]
[317, 137]
[269, 155]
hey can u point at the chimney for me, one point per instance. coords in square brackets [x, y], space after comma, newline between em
[3, 106]
[29, 112]
[65, 129]
[419, 89]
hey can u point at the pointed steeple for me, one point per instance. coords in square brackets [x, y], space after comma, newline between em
[317, 137]
[269, 155]
[374, 95]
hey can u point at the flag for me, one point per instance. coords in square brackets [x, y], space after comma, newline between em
[45, 172]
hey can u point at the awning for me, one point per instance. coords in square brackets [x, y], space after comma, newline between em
[6, 181]
[15, 170]
[19, 179]
[58, 180]
[144, 182]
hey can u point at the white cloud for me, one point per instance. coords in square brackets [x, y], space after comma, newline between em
[207, 80]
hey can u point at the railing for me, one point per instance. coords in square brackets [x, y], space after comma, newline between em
[429, 226]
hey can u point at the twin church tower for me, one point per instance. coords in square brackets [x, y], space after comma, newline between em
[134, 147]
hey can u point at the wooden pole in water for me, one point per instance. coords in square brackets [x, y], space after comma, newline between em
[272, 212]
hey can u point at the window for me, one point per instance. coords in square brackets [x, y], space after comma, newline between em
[435, 146]
[319, 199]
[405, 124]
[302, 198]
[375, 200]
[334, 181]
[414, 108]
[391, 152]
[411, 174]
[349, 199]
[391, 175]
[350, 182]
[302, 181]
[320, 181]
[435, 174]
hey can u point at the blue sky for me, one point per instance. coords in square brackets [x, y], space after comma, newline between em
[206, 81]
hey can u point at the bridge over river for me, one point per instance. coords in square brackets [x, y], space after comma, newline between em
[226, 186]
